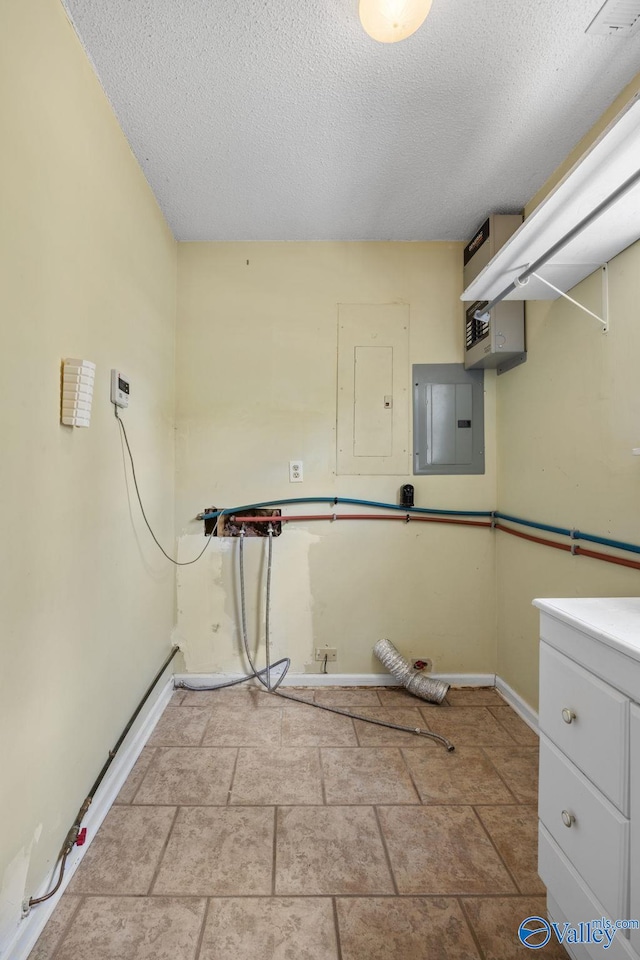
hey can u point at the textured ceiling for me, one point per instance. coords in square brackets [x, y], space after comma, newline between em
[283, 120]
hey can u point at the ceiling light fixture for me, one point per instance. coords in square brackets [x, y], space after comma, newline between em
[391, 20]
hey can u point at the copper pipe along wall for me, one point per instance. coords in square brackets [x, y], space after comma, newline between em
[572, 548]
[409, 518]
[356, 516]
[529, 536]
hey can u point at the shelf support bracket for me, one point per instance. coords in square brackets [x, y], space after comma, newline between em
[604, 320]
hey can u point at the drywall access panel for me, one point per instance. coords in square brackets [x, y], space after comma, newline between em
[373, 388]
[448, 419]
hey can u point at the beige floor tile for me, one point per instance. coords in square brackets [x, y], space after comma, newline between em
[273, 775]
[135, 778]
[495, 921]
[518, 766]
[468, 726]
[55, 928]
[441, 850]
[216, 851]
[519, 730]
[308, 694]
[373, 735]
[188, 775]
[125, 853]
[179, 727]
[305, 726]
[347, 697]
[176, 698]
[474, 696]
[134, 928]
[271, 928]
[464, 776]
[409, 928]
[366, 775]
[394, 697]
[235, 726]
[514, 831]
[242, 696]
[339, 852]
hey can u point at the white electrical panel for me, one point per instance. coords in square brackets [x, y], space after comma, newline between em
[119, 389]
[77, 392]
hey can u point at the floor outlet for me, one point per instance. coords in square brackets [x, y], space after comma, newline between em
[328, 653]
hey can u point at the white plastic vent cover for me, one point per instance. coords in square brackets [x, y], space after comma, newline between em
[78, 377]
[619, 18]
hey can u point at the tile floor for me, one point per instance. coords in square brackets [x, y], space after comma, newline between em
[253, 828]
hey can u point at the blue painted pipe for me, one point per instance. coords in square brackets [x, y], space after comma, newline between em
[532, 523]
[365, 503]
[574, 534]
[561, 531]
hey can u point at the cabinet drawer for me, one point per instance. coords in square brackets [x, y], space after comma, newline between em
[570, 901]
[596, 736]
[597, 840]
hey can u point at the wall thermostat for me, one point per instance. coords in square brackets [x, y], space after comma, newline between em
[119, 389]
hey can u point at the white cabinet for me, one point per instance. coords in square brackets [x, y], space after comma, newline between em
[589, 799]
[634, 859]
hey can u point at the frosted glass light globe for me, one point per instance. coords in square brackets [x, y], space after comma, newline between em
[390, 20]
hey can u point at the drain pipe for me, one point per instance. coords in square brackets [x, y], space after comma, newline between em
[424, 687]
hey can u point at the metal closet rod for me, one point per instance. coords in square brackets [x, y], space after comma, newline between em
[585, 222]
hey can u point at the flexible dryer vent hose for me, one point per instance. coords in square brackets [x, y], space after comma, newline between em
[425, 687]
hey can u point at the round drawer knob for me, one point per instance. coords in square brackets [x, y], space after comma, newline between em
[568, 818]
[568, 715]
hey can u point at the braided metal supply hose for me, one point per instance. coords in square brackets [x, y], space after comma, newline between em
[424, 687]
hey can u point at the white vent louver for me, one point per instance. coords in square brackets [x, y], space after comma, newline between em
[77, 392]
[617, 18]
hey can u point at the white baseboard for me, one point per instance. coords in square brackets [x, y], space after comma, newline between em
[31, 926]
[520, 706]
[340, 679]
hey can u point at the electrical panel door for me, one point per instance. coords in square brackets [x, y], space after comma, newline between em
[448, 419]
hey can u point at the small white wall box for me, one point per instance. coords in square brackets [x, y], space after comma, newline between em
[119, 389]
[77, 391]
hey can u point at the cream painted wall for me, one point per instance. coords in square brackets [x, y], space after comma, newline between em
[567, 422]
[87, 269]
[256, 387]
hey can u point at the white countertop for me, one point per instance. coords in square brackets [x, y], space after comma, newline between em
[613, 620]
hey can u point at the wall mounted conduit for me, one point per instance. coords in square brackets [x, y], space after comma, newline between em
[455, 517]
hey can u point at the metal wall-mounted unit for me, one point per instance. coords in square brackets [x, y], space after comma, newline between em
[448, 419]
[496, 340]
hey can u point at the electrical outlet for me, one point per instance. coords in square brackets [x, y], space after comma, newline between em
[295, 471]
[330, 653]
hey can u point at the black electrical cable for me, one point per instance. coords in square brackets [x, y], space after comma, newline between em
[178, 563]
[72, 835]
